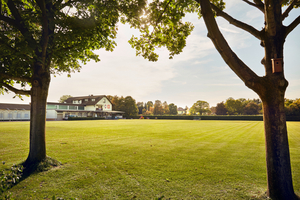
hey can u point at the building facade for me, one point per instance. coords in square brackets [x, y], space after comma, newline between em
[10, 112]
[84, 106]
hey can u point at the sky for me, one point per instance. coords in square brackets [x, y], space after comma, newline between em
[198, 73]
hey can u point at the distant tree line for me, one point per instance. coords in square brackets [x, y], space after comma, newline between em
[126, 104]
[240, 106]
[158, 108]
[231, 106]
[292, 107]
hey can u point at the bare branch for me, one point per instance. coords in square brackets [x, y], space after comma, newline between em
[237, 23]
[249, 77]
[292, 26]
[15, 90]
[258, 5]
[288, 10]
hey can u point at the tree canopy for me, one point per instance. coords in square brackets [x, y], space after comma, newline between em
[56, 35]
[200, 108]
[40, 38]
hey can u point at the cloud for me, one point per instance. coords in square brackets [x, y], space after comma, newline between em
[228, 30]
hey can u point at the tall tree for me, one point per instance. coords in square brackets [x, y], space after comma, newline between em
[63, 98]
[200, 107]
[44, 37]
[173, 109]
[158, 108]
[234, 107]
[166, 108]
[149, 105]
[130, 108]
[140, 106]
[168, 29]
[221, 109]
[251, 109]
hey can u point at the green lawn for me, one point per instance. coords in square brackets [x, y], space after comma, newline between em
[147, 159]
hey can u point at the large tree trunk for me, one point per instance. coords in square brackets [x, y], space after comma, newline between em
[39, 93]
[271, 89]
[280, 184]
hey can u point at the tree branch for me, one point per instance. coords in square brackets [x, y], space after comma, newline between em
[292, 26]
[8, 20]
[288, 10]
[237, 23]
[15, 90]
[19, 22]
[258, 5]
[21, 78]
[250, 79]
[45, 35]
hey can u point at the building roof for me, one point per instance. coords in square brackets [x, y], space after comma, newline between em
[93, 111]
[67, 104]
[89, 100]
[11, 106]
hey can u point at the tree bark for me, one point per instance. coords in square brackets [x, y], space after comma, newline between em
[39, 94]
[279, 175]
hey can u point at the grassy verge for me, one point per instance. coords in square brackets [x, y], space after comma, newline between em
[147, 159]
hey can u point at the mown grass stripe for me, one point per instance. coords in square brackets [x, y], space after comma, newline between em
[147, 159]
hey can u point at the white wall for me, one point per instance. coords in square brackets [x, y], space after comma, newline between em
[89, 108]
[14, 114]
[51, 114]
[106, 105]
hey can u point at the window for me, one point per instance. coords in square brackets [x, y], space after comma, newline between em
[26, 115]
[72, 107]
[10, 115]
[18, 115]
[51, 107]
[80, 108]
[86, 100]
[1, 115]
[104, 100]
[63, 107]
[93, 99]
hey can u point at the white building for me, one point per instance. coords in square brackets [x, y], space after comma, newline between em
[85, 106]
[14, 111]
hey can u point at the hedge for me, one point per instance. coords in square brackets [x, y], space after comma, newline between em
[86, 118]
[214, 117]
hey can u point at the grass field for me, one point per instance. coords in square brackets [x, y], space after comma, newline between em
[147, 159]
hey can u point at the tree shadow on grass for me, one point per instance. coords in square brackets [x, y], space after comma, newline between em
[45, 165]
[264, 196]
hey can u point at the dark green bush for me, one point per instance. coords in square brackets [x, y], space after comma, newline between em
[86, 118]
[214, 117]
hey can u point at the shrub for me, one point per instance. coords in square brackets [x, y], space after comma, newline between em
[10, 177]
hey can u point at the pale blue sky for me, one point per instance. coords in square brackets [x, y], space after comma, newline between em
[198, 73]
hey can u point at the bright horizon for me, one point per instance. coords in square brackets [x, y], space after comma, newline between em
[198, 73]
